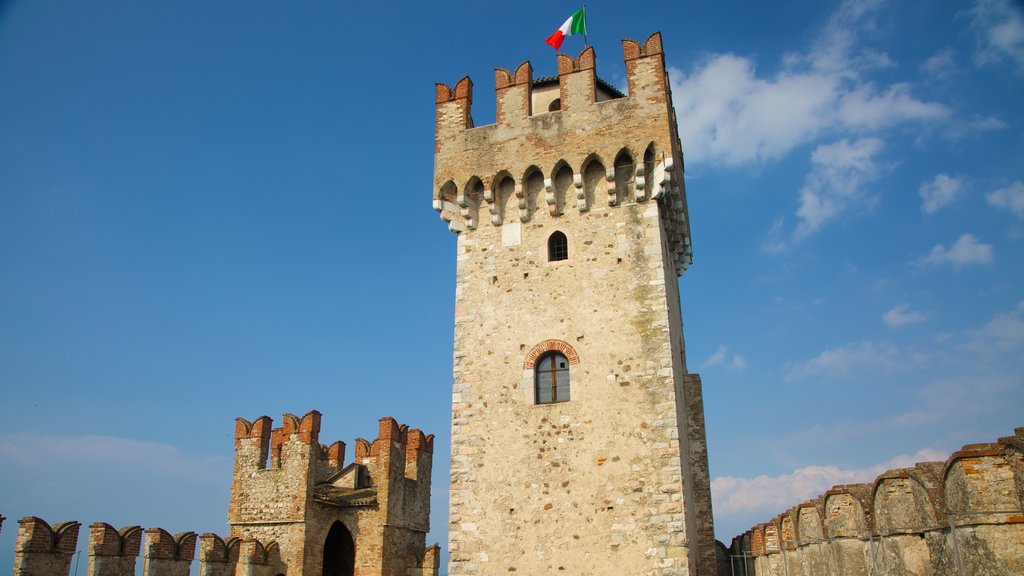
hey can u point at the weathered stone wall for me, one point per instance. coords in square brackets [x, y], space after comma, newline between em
[961, 517]
[617, 476]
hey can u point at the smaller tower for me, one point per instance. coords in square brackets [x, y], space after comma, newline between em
[299, 497]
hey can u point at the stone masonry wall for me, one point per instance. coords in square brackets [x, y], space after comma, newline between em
[614, 478]
[961, 517]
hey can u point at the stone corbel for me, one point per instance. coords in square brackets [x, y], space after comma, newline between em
[464, 204]
[640, 183]
[609, 176]
[493, 207]
[549, 197]
[662, 178]
[581, 192]
[524, 214]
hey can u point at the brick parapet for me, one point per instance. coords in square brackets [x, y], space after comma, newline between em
[113, 552]
[217, 557]
[255, 559]
[914, 518]
[42, 550]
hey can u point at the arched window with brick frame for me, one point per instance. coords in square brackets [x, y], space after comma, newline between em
[551, 378]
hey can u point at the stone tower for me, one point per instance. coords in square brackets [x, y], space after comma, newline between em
[318, 516]
[578, 441]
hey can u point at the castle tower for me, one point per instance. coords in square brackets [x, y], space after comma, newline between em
[316, 515]
[577, 433]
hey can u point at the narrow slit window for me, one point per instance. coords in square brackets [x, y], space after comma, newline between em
[552, 379]
[558, 247]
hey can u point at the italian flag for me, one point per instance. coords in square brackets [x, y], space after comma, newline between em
[576, 24]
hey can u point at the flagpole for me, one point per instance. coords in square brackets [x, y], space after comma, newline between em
[585, 45]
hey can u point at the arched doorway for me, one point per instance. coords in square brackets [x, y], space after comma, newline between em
[339, 552]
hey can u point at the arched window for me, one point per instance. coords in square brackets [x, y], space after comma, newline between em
[556, 104]
[558, 246]
[551, 378]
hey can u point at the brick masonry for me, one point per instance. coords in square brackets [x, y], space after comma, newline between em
[616, 478]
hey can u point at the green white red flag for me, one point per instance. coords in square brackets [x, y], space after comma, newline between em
[576, 24]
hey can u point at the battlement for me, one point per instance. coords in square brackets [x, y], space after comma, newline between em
[514, 88]
[910, 518]
[258, 445]
[416, 447]
[42, 550]
[571, 141]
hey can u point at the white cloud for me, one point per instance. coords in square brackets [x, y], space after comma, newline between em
[774, 242]
[939, 192]
[735, 116]
[1001, 32]
[850, 360]
[715, 359]
[940, 64]
[901, 316]
[1003, 333]
[966, 250]
[772, 494]
[721, 356]
[864, 108]
[836, 181]
[1010, 198]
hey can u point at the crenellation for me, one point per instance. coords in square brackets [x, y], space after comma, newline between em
[514, 92]
[961, 516]
[42, 550]
[256, 560]
[218, 557]
[167, 555]
[113, 552]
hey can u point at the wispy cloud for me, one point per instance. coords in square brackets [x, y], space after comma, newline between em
[1009, 198]
[901, 316]
[966, 250]
[847, 361]
[737, 496]
[939, 192]
[1000, 28]
[836, 182]
[721, 357]
[965, 375]
[941, 64]
[1003, 333]
[734, 115]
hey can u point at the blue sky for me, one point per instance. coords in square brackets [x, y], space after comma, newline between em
[211, 210]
